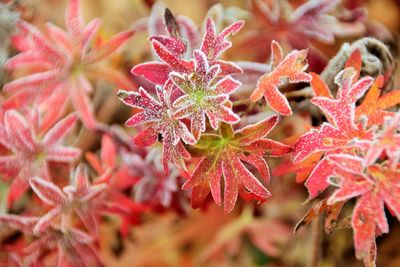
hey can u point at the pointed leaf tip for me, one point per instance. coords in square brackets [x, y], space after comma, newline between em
[122, 94]
[170, 22]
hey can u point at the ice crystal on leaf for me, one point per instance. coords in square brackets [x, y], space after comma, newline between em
[159, 119]
[203, 82]
[374, 106]
[76, 197]
[214, 44]
[63, 63]
[174, 54]
[204, 95]
[342, 129]
[171, 36]
[356, 150]
[31, 150]
[291, 67]
[224, 154]
[158, 72]
[374, 188]
[386, 140]
[341, 111]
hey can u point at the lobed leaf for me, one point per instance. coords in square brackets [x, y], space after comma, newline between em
[291, 67]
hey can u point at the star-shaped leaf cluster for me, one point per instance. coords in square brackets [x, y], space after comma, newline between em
[77, 197]
[195, 88]
[31, 151]
[70, 246]
[62, 64]
[224, 155]
[204, 94]
[175, 55]
[159, 117]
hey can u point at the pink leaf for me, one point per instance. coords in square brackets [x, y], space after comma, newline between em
[34, 80]
[59, 130]
[63, 154]
[155, 72]
[82, 104]
[214, 44]
[22, 134]
[46, 220]
[47, 191]
[73, 18]
[22, 223]
[110, 47]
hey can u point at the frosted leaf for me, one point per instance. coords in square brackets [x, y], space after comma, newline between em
[204, 95]
[224, 155]
[291, 67]
[63, 62]
[27, 145]
[160, 120]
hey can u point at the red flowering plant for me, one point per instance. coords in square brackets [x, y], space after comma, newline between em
[202, 130]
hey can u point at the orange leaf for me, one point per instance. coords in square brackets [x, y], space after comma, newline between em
[319, 86]
[355, 62]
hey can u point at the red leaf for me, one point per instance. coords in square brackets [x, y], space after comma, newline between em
[47, 191]
[354, 61]
[319, 86]
[291, 67]
[223, 155]
[158, 115]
